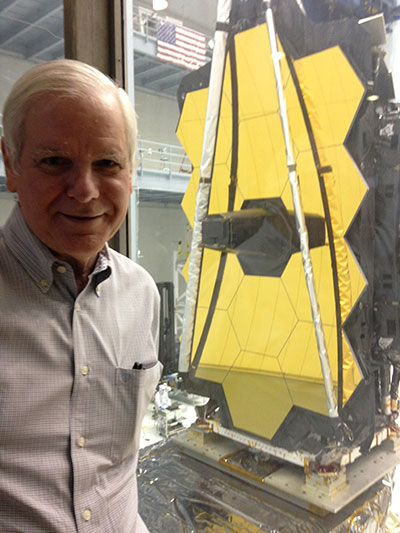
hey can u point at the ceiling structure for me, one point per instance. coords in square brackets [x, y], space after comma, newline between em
[34, 30]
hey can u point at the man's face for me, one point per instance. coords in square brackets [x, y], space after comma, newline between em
[74, 178]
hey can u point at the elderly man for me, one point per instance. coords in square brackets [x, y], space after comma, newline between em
[78, 321]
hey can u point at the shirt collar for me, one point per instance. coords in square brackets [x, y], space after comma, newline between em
[36, 258]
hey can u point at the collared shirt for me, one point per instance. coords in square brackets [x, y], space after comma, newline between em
[71, 404]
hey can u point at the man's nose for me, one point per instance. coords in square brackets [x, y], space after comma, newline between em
[83, 184]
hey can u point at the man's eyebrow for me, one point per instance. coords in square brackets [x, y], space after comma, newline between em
[112, 154]
[48, 152]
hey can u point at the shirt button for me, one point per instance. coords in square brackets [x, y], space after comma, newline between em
[77, 307]
[80, 442]
[61, 269]
[44, 283]
[87, 514]
[98, 291]
[84, 370]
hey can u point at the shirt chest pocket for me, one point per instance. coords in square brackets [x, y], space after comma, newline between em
[134, 389]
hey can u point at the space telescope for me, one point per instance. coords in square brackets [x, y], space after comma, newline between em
[291, 323]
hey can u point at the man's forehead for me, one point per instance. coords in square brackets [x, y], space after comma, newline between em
[101, 114]
[67, 133]
[75, 97]
[70, 123]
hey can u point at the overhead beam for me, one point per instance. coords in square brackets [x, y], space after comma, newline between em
[44, 14]
[170, 81]
[6, 5]
[146, 66]
[58, 46]
[164, 72]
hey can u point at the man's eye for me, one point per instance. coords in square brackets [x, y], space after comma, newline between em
[54, 161]
[107, 164]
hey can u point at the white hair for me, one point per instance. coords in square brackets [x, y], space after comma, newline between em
[69, 78]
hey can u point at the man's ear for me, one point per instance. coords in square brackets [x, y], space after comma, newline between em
[11, 175]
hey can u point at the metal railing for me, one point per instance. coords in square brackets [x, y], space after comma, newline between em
[145, 21]
[160, 157]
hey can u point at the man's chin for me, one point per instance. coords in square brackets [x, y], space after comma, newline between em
[83, 251]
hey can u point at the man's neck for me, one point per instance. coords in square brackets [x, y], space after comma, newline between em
[82, 269]
[81, 281]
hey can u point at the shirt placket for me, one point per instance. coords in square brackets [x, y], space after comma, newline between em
[87, 518]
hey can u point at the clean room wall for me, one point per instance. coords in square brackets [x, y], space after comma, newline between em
[157, 117]
[160, 230]
[161, 226]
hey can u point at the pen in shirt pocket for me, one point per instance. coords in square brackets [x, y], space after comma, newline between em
[137, 366]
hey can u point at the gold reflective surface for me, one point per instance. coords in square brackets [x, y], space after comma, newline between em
[261, 343]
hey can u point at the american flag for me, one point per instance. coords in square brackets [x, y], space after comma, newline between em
[179, 45]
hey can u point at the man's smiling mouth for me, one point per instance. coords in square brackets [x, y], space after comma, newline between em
[82, 217]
